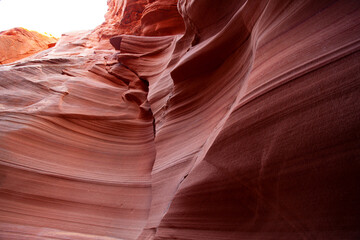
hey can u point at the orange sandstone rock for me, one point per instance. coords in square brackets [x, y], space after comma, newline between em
[18, 43]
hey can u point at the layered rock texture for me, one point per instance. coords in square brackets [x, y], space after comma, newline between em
[18, 43]
[187, 120]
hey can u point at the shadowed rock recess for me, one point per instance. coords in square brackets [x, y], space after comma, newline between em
[194, 119]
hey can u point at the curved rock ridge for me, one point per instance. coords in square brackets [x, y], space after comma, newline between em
[18, 43]
[190, 120]
[259, 137]
[77, 150]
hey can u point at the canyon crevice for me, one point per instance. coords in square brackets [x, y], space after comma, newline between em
[187, 120]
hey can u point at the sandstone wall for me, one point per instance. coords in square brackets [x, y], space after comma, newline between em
[240, 121]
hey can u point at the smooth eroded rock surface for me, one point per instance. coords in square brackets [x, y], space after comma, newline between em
[190, 120]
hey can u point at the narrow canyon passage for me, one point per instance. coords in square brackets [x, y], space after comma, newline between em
[187, 120]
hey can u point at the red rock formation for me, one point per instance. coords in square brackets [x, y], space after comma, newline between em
[161, 18]
[18, 43]
[244, 126]
[139, 17]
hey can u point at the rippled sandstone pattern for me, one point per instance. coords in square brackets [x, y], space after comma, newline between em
[18, 43]
[244, 124]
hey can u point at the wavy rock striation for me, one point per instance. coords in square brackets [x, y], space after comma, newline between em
[235, 120]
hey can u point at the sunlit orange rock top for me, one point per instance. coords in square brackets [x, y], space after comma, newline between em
[18, 43]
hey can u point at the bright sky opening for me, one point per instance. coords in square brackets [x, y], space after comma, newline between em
[53, 17]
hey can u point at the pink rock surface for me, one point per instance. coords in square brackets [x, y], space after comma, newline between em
[18, 43]
[241, 122]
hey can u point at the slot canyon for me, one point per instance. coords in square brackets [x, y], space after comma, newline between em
[185, 119]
